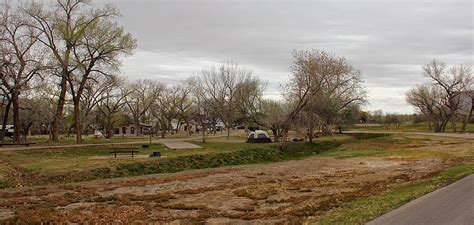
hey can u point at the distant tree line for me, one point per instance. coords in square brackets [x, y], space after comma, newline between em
[60, 75]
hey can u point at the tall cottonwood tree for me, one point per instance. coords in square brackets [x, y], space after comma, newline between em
[97, 56]
[453, 82]
[22, 57]
[63, 28]
[443, 99]
[319, 75]
[430, 100]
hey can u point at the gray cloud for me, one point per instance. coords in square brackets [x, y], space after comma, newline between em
[387, 40]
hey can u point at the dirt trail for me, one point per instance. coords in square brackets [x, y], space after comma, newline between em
[286, 192]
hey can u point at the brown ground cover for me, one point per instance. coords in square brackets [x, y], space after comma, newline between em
[284, 192]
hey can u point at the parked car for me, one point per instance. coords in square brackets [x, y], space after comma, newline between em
[9, 130]
[259, 136]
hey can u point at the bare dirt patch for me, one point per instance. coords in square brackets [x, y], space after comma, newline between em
[286, 192]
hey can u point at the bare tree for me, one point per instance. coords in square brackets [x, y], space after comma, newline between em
[63, 28]
[143, 94]
[22, 57]
[165, 110]
[201, 107]
[250, 99]
[467, 108]
[97, 56]
[442, 101]
[453, 83]
[220, 86]
[183, 104]
[319, 75]
[272, 116]
[431, 101]
[114, 96]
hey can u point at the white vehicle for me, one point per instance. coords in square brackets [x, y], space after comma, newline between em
[9, 130]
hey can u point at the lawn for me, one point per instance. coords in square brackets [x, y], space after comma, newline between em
[42, 140]
[343, 179]
[36, 166]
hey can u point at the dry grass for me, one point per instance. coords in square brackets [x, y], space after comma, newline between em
[284, 192]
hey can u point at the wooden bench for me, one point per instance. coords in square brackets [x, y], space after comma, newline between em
[16, 144]
[124, 150]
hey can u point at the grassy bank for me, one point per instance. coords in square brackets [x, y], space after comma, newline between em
[418, 127]
[82, 164]
[365, 209]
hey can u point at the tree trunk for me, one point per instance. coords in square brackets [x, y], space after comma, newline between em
[327, 129]
[188, 129]
[5, 121]
[109, 127]
[137, 131]
[283, 141]
[16, 117]
[468, 118]
[275, 135]
[453, 124]
[203, 133]
[78, 122]
[310, 134]
[163, 130]
[59, 111]
[177, 126]
[228, 132]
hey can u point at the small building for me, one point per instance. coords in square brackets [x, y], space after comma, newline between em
[134, 129]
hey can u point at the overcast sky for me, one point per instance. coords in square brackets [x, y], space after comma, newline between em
[387, 40]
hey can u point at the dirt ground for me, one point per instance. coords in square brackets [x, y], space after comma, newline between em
[286, 192]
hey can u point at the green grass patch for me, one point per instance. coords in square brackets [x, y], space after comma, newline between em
[365, 209]
[5, 184]
[368, 136]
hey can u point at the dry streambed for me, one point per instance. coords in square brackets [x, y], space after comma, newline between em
[286, 192]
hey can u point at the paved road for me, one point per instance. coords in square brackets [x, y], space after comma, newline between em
[453, 204]
[449, 135]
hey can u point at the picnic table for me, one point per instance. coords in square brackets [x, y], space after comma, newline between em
[17, 144]
[124, 150]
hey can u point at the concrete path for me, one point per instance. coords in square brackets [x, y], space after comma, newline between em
[449, 135]
[453, 204]
[177, 145]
